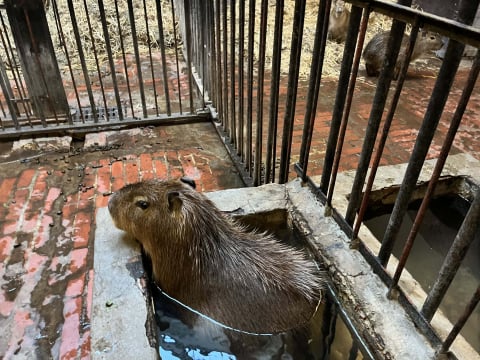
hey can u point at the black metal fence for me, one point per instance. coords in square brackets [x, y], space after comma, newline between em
[228, 48]
[78, 65]
[70, 65]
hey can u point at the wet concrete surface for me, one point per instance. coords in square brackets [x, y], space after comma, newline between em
[47, 223]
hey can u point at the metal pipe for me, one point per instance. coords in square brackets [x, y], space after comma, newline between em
[161, 41]
[251, 32]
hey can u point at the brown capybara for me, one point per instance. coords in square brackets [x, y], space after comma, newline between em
[374, 52]
[203, 258]
[338, 22]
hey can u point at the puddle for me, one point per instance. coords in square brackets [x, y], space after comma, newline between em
[326, 336]
[442, 221]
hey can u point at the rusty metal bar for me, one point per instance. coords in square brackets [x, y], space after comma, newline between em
[274, 94]
[250, 51]
[131, 16]
[342, 87]
[188, 40]
[295, 53]
[437, 171]
[81, 55]
[94, 48]
[461, 322]
[161, 41]
[226, 120]
[346, 110]
[124, 58]
[383, 87]
[257, 176]
[218, 62]
[152, 68]
[386, 128]
[67, 56]
[233, 115]
[316, 68]
[179, 88]
[454, 258]
[241, 79]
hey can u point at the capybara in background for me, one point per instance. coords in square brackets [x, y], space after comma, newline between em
[203, 258]
[374, 52]
[338, 22]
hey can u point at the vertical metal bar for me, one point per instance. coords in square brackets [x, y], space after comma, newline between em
[218, 68]
[241, 49]
[90, 32]
[251, 32]
[179, 88]
[274, 94]
[161, 40]
[346, 111]
[437, 171]
[67, 56]
[342, 87]
[131, 16]
[330, 315]
[226, 122]
[257, 177]
[454, 258]
[233, 115]
[10, 105]
[316, 68]
[383, 87]
[152, 69]
[296, 48]
[420, 150]
[125, 68]
[386, 129]
[461, 322]
[453, 55]
[188, 30]
[110, 59]
[82, 59]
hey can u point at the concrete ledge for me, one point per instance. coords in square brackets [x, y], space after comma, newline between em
[121, 317]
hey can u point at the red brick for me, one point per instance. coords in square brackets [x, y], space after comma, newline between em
[70, 337]
[131, 172]
[25, 178]
[6, 189]
[53, 194]
[82, 227]
[103, 177]
[6, 244]
[75, 286]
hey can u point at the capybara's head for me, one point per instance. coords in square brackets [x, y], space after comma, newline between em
[149, 209]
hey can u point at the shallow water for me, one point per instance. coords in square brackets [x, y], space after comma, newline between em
[324, 337]
[442, 221]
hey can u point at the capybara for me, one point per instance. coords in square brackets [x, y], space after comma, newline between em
[374, 52]
[338, 22]
[203, 258]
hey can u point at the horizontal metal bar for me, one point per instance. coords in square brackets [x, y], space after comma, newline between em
[175, 119]
[453, 29]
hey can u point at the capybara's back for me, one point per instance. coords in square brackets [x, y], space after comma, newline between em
[374, 52]
[200, 256]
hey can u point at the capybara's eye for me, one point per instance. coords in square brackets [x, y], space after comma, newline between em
[142, 204]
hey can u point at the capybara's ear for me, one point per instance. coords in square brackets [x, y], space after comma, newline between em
[188, 181]
[174, 201]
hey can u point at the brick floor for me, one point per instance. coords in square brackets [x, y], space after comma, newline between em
[48, 223]
[47, 217]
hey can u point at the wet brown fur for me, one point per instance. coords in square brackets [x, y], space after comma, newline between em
[200, 256]
[374, 52]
